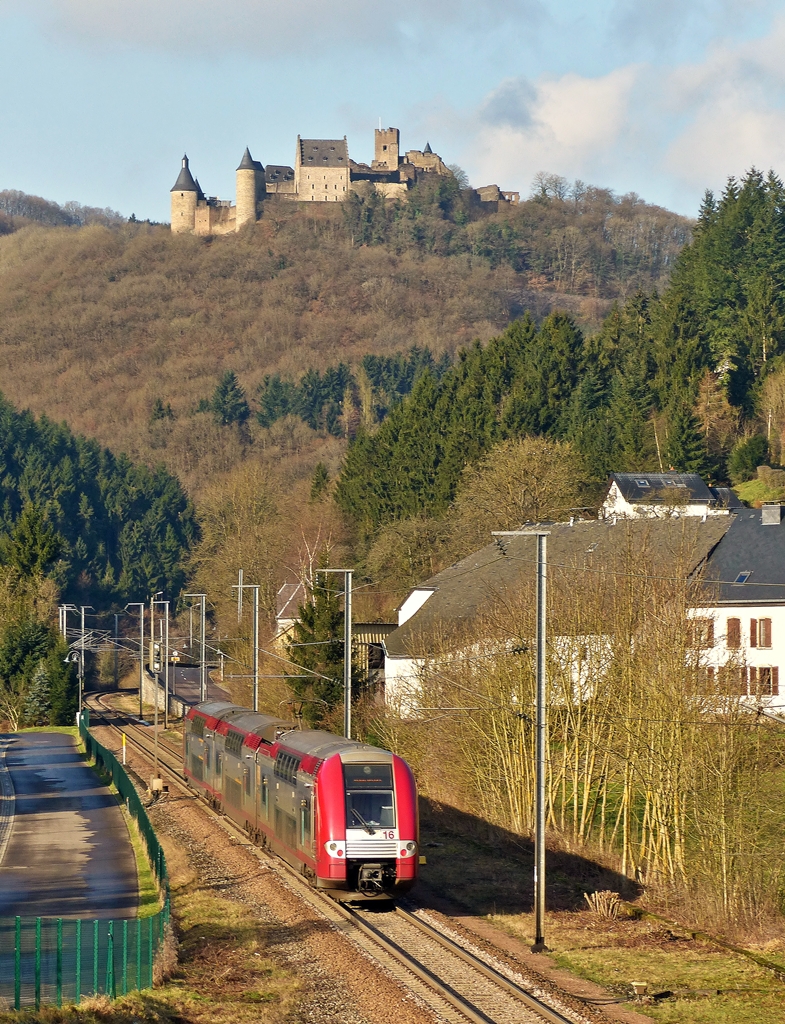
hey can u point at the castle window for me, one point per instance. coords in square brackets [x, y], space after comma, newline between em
[313, 186]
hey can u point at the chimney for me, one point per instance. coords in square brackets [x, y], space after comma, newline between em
[771, 514]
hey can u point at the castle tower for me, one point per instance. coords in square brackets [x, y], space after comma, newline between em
[185, 193]
[386, 149]
[250, 189]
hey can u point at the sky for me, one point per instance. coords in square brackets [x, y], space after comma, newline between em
[665, 98]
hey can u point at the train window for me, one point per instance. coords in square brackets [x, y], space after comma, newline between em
[197, 726]
[234, 743]
[265, 797]
[218, 760]
[369, 796]
[286, 766]
[247, 780]
[207, 756]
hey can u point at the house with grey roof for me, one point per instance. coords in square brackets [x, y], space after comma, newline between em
[444, 609]
[659, 495]
[742, 627]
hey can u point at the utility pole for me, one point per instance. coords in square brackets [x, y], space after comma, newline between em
[202, 641]
[540, 735]
[255, 637]
[164, 631]
[140, 606]
[116, 650]
[84, 608]
[239, 595]
[347, 649]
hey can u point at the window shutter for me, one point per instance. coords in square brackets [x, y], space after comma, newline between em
[733, 640]
[753, 680]
[775, 680]
[710, 687]
[753, 632]
[764, 627]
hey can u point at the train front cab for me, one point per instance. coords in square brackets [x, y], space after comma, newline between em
[367, 827]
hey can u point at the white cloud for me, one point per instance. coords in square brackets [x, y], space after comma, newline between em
[269, 27]
[571, 125]
[663, 131]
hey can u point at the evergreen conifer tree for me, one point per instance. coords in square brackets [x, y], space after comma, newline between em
[317, 644]
[686, 449]
[38, 703]
[228, 402]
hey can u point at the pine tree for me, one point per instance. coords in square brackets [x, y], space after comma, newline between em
[686, 450]
[228, 402]
[317, 644]
[320, 481]
[38, 704]
[33, 545]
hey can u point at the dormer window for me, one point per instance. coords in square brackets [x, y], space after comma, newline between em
[642, 483]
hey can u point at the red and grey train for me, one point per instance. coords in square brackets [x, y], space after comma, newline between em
[342, 813]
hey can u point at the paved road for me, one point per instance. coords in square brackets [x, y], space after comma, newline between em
[69, 854]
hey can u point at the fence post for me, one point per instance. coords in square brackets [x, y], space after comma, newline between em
[38, 963]
[18, 965]
[125, 957]
[150, 944]
[78, 978]
[138, 954]
[95, 958]
[110, 986]
[59, 961]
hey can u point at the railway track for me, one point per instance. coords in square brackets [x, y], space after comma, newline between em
[457, 982]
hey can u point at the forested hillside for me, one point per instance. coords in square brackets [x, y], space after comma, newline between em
[124, 331]
[693, 380]
[98, 525]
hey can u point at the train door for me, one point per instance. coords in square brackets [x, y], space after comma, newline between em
[263, 791]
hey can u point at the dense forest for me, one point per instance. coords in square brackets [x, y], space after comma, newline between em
[99, 525]
[691, 380]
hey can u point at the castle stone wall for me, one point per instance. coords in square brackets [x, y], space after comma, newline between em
[211, 219]
[183, 212]
[246, 196]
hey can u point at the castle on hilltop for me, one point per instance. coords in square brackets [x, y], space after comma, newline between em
[323, 172]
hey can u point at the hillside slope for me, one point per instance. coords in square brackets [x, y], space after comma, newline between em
[100, 325]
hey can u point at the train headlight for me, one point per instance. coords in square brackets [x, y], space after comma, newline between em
[411, 847]
[335, 849]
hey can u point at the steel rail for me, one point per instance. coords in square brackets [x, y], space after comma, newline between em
[532, 1002]
[329, 907]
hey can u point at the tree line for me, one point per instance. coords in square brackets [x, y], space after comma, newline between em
[688, 381]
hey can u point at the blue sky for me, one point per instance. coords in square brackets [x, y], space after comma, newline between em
[661, 97]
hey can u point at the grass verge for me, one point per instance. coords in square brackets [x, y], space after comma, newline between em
[487, 872]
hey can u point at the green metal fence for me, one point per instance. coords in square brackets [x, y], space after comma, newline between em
[60, 960]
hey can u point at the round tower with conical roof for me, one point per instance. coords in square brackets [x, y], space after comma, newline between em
[185, 193]
[250, 182]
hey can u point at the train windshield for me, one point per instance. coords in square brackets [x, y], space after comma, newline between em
[369, 796]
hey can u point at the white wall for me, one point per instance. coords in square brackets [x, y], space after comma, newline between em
[753, 657]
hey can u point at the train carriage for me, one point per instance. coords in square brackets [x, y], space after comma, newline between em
[343, 813]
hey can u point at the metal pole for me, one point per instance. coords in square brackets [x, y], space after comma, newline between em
[539, 838]
[166, 668]
[347, 654]
[256, 648]
[81, 665]
[202, 643]
[541, 734]
[116, 651]
[141, 659]
[152, 634]
[239, 595]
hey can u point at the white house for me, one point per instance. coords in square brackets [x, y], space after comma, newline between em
[460, 594]
[660, 495]
[742, 631]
